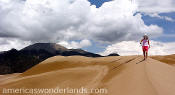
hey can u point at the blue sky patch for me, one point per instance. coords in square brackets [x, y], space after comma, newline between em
[98, 3]
[168, 26]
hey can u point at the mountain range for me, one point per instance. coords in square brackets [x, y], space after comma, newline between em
[18, 61]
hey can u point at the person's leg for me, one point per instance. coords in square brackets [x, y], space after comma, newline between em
[146, 54]
[143, 48]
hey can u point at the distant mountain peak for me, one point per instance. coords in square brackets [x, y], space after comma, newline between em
[114, 54]
[50, 47]
[14, 61]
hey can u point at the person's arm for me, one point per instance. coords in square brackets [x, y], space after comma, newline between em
[148, 44]
[141, 41]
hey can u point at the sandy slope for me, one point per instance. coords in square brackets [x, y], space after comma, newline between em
[8, 76]
[169, 59]
[123, 75]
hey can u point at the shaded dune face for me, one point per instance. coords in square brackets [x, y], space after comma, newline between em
[120, 75]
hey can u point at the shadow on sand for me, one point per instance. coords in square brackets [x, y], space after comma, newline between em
[140, 61]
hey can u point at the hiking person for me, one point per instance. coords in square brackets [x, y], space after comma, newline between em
[145, 46]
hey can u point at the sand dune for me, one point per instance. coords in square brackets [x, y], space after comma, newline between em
[169, 59]
[122, 75]
[8, 76]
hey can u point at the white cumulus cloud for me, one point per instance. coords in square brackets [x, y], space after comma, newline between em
[7, 44]
[156, 6]
[134, 48]
[75, 45]
[56, 20]
[66, 21]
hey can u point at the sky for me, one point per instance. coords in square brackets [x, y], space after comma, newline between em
[98, 26]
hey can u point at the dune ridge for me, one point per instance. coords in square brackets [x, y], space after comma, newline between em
[120, 75]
